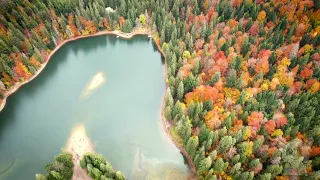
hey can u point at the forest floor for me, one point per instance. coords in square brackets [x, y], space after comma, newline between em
[79, 144]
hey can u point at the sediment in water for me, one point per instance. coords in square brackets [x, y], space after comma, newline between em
[78, 144]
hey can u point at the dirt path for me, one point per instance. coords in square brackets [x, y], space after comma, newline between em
[79, 144]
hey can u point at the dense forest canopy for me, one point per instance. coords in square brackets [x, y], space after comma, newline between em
[99, 168]
[95, 164]
[243, 76]
[60, 168]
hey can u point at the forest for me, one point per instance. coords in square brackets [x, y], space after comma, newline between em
[95, 164]
[60, 168]
[243, 75]
[99, 168]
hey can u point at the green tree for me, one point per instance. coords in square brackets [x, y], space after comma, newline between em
[242, 98]
[290, 33]
[197, 67]
[235, 159]
[96, 172]
[254, 163]
[192, 145]
[174, 36]
[190, 83]
[208, 105]
[316, 163]
[162, 37]
[205, 165]
[169, 99]
[245, 175]
[195, 111]
[245, 47]
[60, 168]
[183, 127]
[228, 122]
[4, 48]
[215, 78]
[235, 169]
[219, 165]
[199, 156]
[204, 133]
[119, 176]
[265, 176]
[123, 8]
[177, 111]
[274, 170]
[64, 6]
[168, 113]
[226, 143]
[180, 91]
[232, 78]
[99, 168]
[40, 177]
[4, 66]
[78, 24]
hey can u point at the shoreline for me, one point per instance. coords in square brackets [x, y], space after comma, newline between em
[18, 85]
[165, 125]
[78, 144]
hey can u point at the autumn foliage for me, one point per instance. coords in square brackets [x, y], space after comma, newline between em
[202, 94]
[243, 76]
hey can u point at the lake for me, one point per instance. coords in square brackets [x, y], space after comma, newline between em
[114, 87]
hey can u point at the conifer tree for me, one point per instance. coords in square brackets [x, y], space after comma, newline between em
[180, 91]
[192, 145]
[215, 78]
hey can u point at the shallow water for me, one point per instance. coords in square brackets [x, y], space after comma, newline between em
[122, 115]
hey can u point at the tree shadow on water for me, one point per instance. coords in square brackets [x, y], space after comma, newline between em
[86, 45]
[139, 38]
[8, 113]
[11, 109]
[57, 60]
[155, 48]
